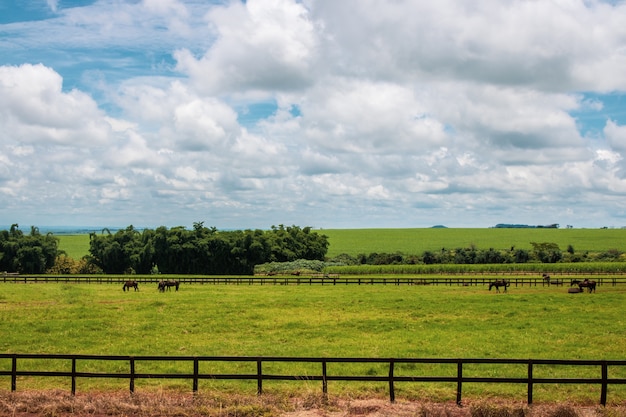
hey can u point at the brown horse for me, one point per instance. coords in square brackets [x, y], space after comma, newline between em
[163, 285]
[590, 285]
[129, 285]
[550, 281]
[499, 283]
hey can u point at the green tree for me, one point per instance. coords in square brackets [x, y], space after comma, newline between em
[31, 254]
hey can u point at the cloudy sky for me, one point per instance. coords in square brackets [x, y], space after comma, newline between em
[322, 113]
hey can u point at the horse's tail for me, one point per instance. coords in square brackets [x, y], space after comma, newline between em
[124, 287]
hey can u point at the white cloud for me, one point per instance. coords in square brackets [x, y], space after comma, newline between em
[53, 4]
[34, 109]
[616, 136]
[382, 114]
[261, 45]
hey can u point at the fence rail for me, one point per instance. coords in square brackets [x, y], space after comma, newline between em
[478, 279]
[459, 378]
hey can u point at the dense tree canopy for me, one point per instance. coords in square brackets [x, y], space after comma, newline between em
[202, 250]
[30, 254]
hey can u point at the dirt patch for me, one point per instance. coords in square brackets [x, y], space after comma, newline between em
[167, 403]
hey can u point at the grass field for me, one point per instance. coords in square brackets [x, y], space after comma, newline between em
[75, 246]
[364, 321]
[416, 241]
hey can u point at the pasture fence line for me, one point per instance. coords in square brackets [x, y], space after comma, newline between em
[457, 377]
[315, 279]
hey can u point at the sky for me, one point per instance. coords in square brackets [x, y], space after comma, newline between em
[321, 113]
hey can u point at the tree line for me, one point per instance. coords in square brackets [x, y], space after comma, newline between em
[32, 253]
[203, 250]
[208, 251]
[177, 250]
[541, 252]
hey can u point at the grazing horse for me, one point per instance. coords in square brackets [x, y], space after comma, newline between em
[590, 285]
[574, 282]
[167, 284]
[499, 283]
[130, 284]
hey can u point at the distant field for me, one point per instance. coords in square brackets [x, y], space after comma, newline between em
[76, 246]
[416, 241]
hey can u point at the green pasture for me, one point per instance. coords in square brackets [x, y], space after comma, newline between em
[75, 246]
[416, 241]
[318, 321]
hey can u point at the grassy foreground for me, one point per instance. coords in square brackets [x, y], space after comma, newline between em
[364, 321]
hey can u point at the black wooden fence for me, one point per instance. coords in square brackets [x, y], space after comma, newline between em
[331, 279]
[458, 377]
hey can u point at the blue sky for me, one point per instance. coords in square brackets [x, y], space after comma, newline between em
[315, 113]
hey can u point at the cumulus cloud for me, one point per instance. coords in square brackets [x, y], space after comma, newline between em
[34, 109]
[323, 113]
[261, 45]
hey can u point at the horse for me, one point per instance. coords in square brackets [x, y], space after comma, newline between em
[590, 285]
[129, 285]
[167, 284]
[548, 280]
[574, 282]
[499, 283]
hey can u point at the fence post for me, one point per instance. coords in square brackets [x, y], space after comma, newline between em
[73, 377]
[259, 376]
[392, 394]
[195, 375]
[324, 380]
[132, 375]
[459, 381]
[14, 373]
[605, 377]
[530, 382]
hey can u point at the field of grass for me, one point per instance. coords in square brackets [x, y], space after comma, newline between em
[75, 246]
[343, 321]
[416, 241]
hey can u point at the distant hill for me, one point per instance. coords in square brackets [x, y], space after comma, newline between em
[525, 226]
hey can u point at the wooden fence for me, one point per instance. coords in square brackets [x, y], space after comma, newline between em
[324, 376]
[472, 280]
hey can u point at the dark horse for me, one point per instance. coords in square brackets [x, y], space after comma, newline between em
[167, 284]
[499, 283]
[130, 284]
[550, 281]
[590, 285]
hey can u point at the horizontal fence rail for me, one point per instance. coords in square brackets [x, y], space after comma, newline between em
[460, 280]
[324, 376]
